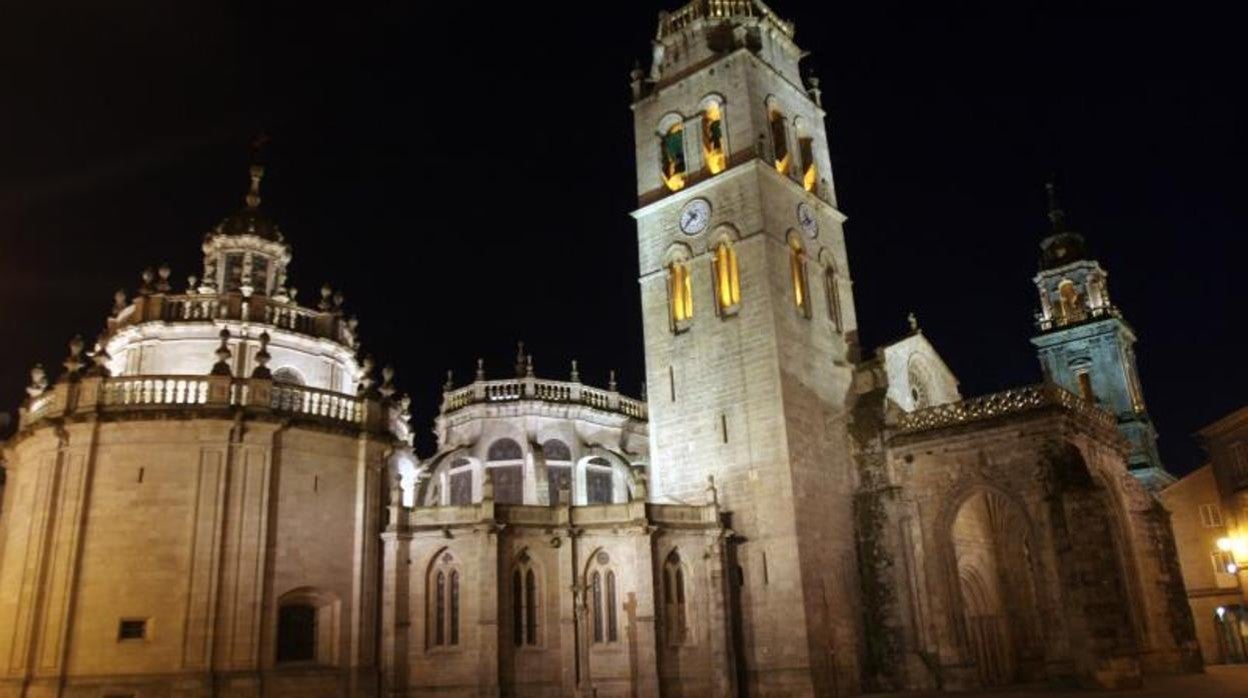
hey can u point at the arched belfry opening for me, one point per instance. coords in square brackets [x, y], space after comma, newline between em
[999, 619]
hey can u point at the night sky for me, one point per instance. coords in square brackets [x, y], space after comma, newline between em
[465, 174]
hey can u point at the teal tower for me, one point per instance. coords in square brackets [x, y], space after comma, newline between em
[1085, 344]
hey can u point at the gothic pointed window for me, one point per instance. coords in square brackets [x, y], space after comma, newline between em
[524, 602]
[680, 293]
[727, 278]
[713, 150]
[444, 609]
[781, 157]
[1085, 386]
[672, 156]
[797, 272]
[675, 610]
[460, 487]
[603, 600]
[831, 289]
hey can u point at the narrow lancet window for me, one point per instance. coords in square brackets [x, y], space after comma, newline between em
[832, 290]
[810, 171]
[672, 154]
[780, 142]
[797, 267]
[713, 139]
[727, 278]
[680, 290]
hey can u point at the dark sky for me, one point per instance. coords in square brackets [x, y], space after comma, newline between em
[465, 174]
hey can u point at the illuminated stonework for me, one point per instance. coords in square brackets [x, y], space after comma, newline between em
[219, 498]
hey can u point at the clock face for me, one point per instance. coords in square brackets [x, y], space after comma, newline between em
[806, 218]
[695, 216]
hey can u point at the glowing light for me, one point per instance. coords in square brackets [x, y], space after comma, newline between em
[727, 277]
[797, 265]
[1224, 544]
[810, 177]
[672, 152]
[713, 139]
[1221, 611]
[680, 287]
[780, 143]
[1232, 568]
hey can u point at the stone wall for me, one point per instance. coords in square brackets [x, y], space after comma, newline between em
[197, 528]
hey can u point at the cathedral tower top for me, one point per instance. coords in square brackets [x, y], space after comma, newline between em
[703, 30]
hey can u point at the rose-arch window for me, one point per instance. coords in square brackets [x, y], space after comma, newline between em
[506, 464]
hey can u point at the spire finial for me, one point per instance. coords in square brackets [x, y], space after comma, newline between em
[1056, 215]
[480, 369]
[914, 322]
[257, 169]
[520, 362]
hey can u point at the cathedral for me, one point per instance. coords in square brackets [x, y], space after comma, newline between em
[219, 497]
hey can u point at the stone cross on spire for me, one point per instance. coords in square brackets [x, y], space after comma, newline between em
[257, 170]
[1056, 215]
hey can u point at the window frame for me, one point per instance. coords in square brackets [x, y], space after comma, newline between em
[444, 612]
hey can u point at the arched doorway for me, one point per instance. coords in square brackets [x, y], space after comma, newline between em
[997, 590]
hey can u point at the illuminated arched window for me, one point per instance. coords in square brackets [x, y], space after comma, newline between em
[810, 171]
[831, 289]
[558, 469]
[506, 464]
[797, 269]
[675, 609]
[680, 293]
[443, 614]
[599, 481]
[779, 141]
[672, 156]
[713, 150]
[727, 278]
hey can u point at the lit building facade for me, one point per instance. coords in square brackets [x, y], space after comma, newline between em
[1209, 512]
[220, 499]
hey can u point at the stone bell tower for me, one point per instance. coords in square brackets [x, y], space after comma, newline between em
[750, 330]
[1085, 344]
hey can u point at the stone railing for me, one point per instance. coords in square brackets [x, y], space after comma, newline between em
[1087, 315]
[173, 393]
[517, 389]
[1016, 401]
[191, 307]
[674, 22]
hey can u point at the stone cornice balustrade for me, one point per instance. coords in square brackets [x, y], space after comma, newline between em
[530, 388]
[1089, 315]
[1004, 404]
[675, 22]
[207, 307]
[153, 395]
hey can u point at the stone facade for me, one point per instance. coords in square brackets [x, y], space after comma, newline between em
[1207, 511]
[783, 517]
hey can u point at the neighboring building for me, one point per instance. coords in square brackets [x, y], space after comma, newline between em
[1209, 514]
[218, 500]
[1087, 347]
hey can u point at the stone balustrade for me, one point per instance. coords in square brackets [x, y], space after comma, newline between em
[1009, 402]
[1088, 315]
[207, 307]
[675, 22]
[172, 393]
[517, 389]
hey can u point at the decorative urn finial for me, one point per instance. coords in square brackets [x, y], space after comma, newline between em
[119, 302]
[100, 359]
[480, 369]
[387, 388]
[253, 195]
[366, 377]
[222, 367]
[449, 385]
[520, 359]
[576, 372]
[74, 362]
[38, 381]
[262, 359]
[612, 386]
